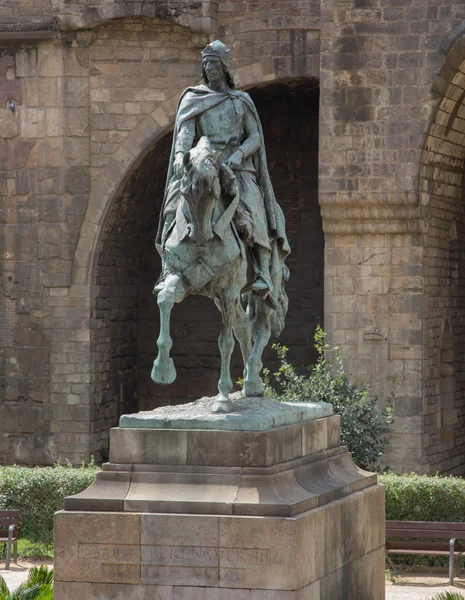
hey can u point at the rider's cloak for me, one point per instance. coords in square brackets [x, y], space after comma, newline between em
[193, 102]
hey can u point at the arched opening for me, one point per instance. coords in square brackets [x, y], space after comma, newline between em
[443, 215]
[125, 311]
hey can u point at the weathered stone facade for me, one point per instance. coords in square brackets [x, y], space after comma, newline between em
[363, 98]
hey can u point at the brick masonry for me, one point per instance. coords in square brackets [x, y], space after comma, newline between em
[82, 161]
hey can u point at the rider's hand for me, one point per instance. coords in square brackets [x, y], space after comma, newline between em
[178, 165]
[235, 160]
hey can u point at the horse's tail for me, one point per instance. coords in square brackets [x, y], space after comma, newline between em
[278, 316]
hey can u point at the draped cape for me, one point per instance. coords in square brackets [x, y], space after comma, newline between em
[193, 102]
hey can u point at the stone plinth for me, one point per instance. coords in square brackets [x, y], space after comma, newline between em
[186, 514]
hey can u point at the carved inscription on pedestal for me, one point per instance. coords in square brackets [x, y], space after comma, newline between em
[190, 564]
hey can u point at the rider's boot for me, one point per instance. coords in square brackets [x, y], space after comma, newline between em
[161, 280]
[169, 218]
[262, 285]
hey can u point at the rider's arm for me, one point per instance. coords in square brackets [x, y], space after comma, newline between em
[253, 141]
[185, 137]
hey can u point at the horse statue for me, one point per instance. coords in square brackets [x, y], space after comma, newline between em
[204, 254]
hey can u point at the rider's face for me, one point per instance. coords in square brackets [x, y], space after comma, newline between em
[213, 69]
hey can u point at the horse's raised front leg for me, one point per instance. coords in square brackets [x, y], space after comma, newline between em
[174, 290]
[253, 383]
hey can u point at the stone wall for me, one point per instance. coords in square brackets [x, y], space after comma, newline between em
[94, 89]
[379, 60]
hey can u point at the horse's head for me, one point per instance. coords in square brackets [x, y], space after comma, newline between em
[200, 187]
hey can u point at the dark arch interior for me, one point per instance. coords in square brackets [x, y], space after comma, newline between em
[126, 312]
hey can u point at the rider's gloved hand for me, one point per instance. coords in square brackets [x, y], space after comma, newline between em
[235, 160]
[178, 165]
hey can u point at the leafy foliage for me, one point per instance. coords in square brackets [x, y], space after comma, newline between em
[364, 429]
[38, 586]
[424, 498]
[447, 596]
[39, 492]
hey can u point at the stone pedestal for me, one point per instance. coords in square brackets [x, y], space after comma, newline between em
[279, 514]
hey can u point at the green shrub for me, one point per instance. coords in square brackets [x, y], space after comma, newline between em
[447, 596]
[39, 492]
[364, 429]
[424, 498]
[38, 586]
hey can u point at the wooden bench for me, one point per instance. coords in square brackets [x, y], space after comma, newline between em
[424, 530]
[10, 521]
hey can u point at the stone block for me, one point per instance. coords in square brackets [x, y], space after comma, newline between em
[50, 61]
[270, 564]
[76, 91]
[8, 123]
[315, 436]
[196, 593]
[26, 62]
[169, 447]
[363, 576]
[72, 591]
[118, 591]
[334, 431]
[272, 595]
[113, 488]
[32, 122]
[309, 592]
[97, 547]
[375, 518]
[353, 527]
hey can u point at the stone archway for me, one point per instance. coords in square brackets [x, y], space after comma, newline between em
[442, 179]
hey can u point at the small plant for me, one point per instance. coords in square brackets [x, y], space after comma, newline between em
[38, 586]
[364, 429]
[447, 596]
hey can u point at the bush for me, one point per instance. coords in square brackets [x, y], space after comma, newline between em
[364, 429]
[39, 492]
[424, 498]
[447, 596]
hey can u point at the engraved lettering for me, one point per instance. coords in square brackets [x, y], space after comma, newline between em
[107, 552]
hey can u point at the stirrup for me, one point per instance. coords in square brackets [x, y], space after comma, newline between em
[160, 284]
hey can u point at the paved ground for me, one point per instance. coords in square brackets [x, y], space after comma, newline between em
[408, 587]
[15, 576]
[420, 587]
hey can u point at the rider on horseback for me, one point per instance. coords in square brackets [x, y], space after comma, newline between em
[230, 121]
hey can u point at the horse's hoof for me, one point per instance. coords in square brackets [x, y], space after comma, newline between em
[254, 388]
[222, 405]
[163, 373]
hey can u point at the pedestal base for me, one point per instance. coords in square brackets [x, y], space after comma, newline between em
[282, 514]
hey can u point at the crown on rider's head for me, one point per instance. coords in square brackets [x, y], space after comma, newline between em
[217, 49]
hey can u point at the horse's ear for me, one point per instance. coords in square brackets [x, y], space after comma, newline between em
[187, 161]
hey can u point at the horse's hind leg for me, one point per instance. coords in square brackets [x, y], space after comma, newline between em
[243, 333]
[227, 304]
[174, 290]
[253, 383]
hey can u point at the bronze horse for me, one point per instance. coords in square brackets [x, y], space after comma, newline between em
[204, 254]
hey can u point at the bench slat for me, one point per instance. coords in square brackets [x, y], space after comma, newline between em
[425, 525]
[5, 523]
[423, 552]
[429, 533]
[413, 545]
